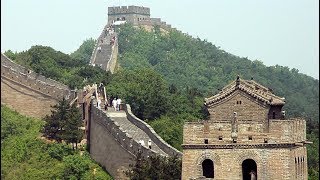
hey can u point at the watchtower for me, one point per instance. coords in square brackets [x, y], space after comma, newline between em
[246, 137]
[130, 14]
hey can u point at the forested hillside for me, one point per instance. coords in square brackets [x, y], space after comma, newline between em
[165, 78]
[24, 155]
[191, 62]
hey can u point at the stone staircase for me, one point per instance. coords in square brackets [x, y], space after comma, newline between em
[135, 132]
[103, 56]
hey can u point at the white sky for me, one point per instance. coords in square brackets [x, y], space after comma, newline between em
[284, 32]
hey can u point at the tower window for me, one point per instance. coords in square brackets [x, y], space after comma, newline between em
[265, 140]
[220, 138]
[206, 141]
[250, 138]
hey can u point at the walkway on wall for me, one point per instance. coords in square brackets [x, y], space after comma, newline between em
[104, 51]
[137, 134]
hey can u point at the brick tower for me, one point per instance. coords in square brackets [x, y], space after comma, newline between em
[246, 137]
[131, 14]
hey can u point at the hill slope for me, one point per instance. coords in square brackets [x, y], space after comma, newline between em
[189, 62]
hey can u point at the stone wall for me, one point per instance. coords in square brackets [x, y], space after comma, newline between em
[290, 130]
[280, 131]
[272, 163]
[248, 110]
[27, 92]
[110, 145]
[151, 133]
[128, 9]
[34, 81]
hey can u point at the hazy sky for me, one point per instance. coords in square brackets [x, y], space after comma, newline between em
[284, 32]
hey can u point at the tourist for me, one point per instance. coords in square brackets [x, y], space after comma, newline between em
[106, 105]
[141, 142]
[114, 104]
[149, 143]
[253, 175]
[99, 102]
[118, 104]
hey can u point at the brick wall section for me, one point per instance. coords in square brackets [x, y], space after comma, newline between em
[24, 100]
[250, 109]
[274, 163]
[151, 133]
[110, 145]
[27, 92]
[26, 77]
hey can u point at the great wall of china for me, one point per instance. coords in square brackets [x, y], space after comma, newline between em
[113, 137]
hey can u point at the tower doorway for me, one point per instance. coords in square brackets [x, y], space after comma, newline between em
[207, 168]
[249, 169]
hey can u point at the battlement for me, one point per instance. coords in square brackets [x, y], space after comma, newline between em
[128, 10]
[280, 131]
[26, 77]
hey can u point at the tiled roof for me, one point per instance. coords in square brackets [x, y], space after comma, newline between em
[250, 87]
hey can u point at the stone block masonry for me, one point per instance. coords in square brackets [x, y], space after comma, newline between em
[27, 92]
[245, 137]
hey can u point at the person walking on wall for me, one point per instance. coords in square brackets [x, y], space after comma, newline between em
[106, 105]
[149, 143]
[99, 102]
[114, 104]
[118, 104]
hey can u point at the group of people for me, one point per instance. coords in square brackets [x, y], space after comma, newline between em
[116, 103]
[109, 30]
[141, 142]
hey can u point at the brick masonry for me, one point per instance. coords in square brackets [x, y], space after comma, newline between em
[276, 146]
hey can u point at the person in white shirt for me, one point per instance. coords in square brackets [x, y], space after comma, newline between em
[114, 103]
[118, 104]
[141, 142]
[99, 102]
[149, 143]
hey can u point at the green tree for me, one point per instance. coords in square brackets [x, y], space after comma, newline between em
[155, 167]
[72, 134]
[83, 53]
[55, 123]
[144, 89]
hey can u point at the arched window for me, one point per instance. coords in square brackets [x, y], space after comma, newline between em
[207, 168]
[249, 169]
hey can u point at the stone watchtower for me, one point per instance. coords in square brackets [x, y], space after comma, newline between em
[246, 137]
[130, 14]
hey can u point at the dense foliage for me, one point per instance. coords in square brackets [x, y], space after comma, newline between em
[72, 70]
[25, 156]
[155, 167]
[191, 62]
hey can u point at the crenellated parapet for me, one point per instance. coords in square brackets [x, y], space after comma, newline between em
[26, 77]
[167, 148]
[129, 10]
